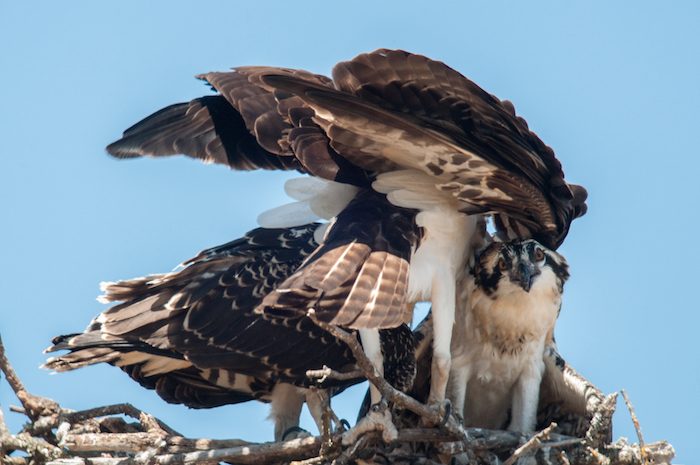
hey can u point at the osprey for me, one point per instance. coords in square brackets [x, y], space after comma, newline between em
[396, 127]
[512, 298]
[193, 336]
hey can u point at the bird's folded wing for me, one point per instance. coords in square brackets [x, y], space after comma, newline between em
[205, 312]
[358, 277]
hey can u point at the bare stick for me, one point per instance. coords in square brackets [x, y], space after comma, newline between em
[387, 390]
[637, 428]
[114, 409]
[531, 444]
[10, 374]
[325, 373]
[295, 449]
[600, 424]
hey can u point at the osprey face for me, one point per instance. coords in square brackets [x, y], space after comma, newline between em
[517, 266]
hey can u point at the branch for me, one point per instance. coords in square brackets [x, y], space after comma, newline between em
[637, 428]
[532, 444]
[325, 373]
[117, 409]
[295, 449]
[387, 390]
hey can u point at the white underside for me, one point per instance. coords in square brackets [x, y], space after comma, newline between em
[487, 382]
[438, 262]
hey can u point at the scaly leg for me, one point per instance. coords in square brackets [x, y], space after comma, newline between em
[526, 397]
[373, 349]
[457, 389]
[443, 300]
[285, 408]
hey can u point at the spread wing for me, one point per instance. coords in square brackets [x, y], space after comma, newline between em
[193, 335]
[207, 128]
[383, 111]
[244, 127]
[393, 109]
[358, 277]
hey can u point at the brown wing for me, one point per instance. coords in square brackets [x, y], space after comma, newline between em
[202, 317]
[358, 277]
[442, 97]
[397, 110]
[207, 128]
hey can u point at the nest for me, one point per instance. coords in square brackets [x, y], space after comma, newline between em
[574, 416]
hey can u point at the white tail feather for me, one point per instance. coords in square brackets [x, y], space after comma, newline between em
[287, 216]
[305, 187]
[317, 199]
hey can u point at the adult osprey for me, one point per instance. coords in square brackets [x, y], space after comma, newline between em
[403, 125]
[193, 336]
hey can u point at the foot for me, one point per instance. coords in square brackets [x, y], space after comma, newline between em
[295, 432]
[378, 419]
[443, 410]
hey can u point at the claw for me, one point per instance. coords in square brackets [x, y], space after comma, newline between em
[295, 432]
[344, 425]
[448, 411]
[378, 419]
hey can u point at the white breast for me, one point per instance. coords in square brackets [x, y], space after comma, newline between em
[499, 341]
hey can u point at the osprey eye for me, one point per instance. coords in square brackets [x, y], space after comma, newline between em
[502, 264]
[539, 254]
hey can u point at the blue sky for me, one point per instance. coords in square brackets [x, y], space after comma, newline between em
[613, 87]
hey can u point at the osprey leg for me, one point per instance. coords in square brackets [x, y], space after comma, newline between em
[443, 297]
[285, 408]
[373, 349]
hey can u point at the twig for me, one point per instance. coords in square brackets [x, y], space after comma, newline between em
[325, 373]
[637, 428]
[114, 409]
[534, 443]
[387, 390]
[10, 374]
[599, 431]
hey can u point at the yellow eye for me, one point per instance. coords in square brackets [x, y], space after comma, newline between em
[502, 264]
[539, 254]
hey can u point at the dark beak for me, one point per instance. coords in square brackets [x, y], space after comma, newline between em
[525, 276]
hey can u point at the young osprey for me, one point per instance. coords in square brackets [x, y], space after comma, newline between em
[512, 299]
[193, 336]
[392, 122]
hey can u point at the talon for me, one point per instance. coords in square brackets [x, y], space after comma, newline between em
[344, 424]
[448, 411]
[297, 431]
[378, 419]
[379, 406]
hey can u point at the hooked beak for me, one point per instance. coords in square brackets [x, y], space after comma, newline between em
[525, 275]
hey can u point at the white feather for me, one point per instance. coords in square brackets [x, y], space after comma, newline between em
[332, 199]
[318, 199]
[304, 187]
[320, 232]
[287, 216]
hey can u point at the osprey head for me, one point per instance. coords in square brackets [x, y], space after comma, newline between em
[519, 265]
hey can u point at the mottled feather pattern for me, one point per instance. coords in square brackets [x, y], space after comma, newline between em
[488, 273]
[358, 277]
[383, 111]
[488, 154]
[207, 128]
[201, 317]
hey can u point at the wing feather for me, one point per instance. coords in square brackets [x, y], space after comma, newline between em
[358, 277]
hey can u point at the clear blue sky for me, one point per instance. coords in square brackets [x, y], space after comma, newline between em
[613, 87]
